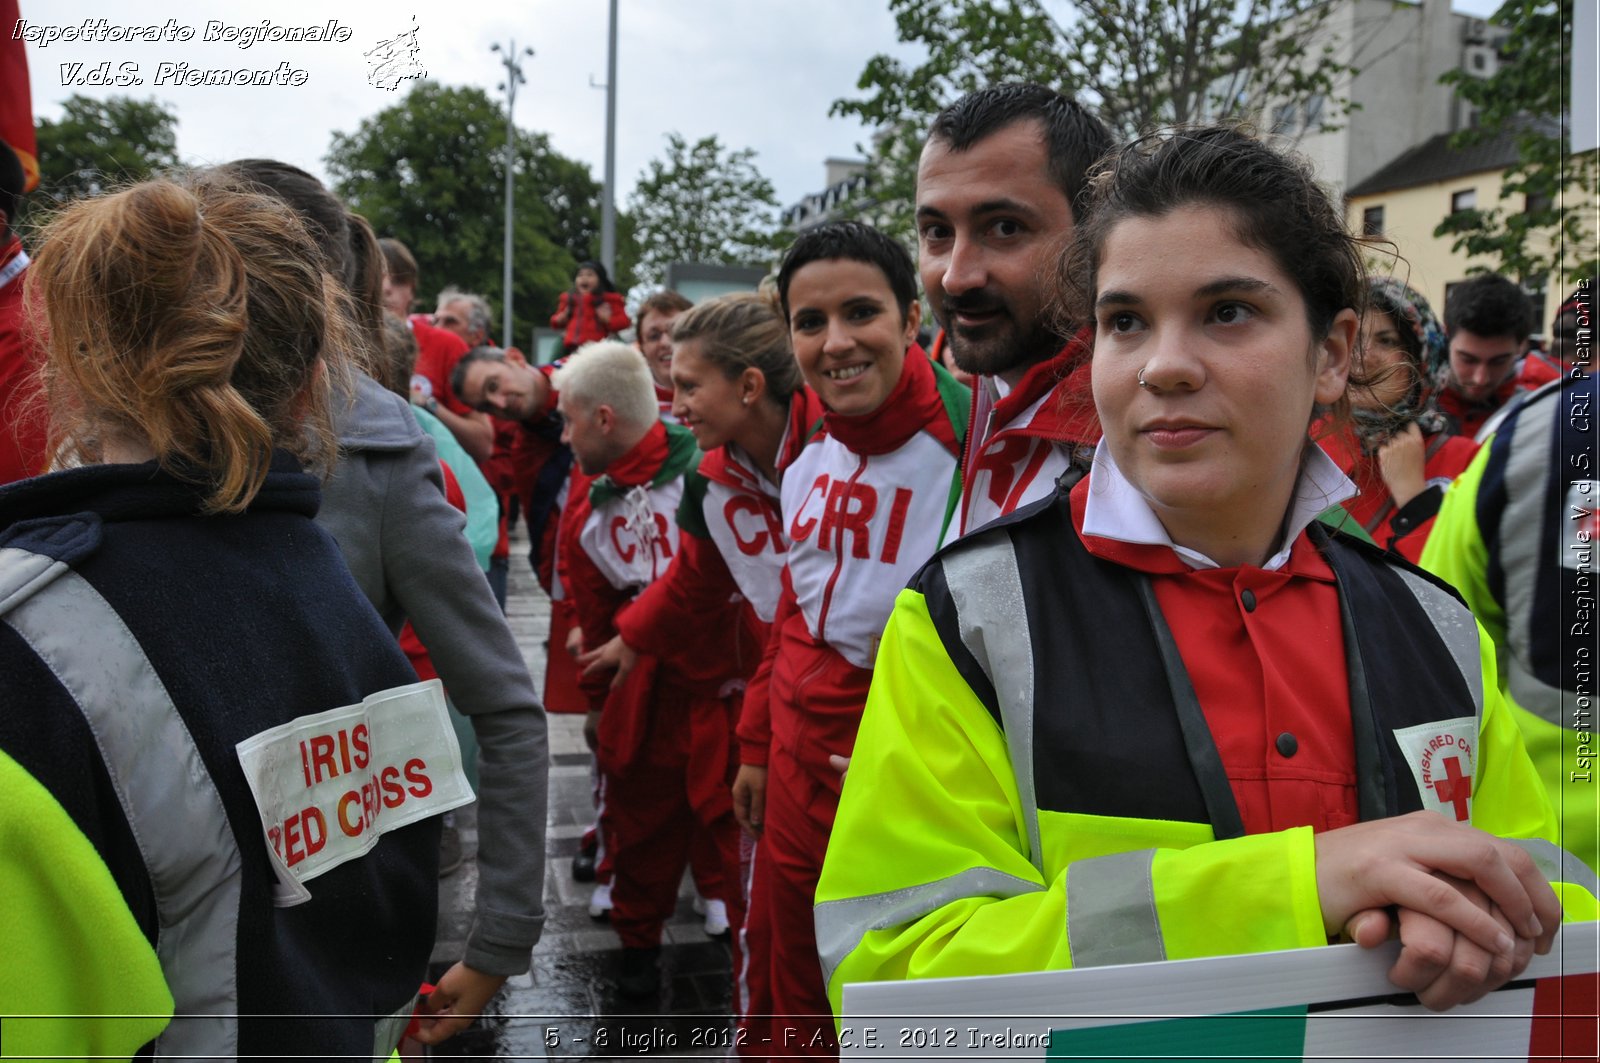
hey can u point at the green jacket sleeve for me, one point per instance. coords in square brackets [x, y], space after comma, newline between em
[1510, 799]
[1456, 552]
[483, 507]
[73, 949]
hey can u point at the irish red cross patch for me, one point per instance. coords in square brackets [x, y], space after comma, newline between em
[1443, 760]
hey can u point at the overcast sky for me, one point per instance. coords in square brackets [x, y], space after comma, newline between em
[758, 73]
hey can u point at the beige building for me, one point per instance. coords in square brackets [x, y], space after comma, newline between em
[1399, 50]
[1404, 201]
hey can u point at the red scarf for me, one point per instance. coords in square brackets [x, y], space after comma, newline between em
[639, 465]
[1071, 417]
[913, 405]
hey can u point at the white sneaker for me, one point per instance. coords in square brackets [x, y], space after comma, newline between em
[716, 913]
[600, 901]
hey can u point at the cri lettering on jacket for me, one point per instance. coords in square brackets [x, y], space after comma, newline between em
[846, 511]
[756, 526]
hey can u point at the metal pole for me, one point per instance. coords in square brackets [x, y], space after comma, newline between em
[513, 79]
[608, 203]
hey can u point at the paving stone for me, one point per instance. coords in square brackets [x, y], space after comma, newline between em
[568, 1000]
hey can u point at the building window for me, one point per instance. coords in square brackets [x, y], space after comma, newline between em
[1466, 199]
[1283, 119]
[1478, 62]
[1314, 106]
[1537, 288]
[1372, 221]
[1536, 202]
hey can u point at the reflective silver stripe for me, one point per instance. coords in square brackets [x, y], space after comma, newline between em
[1558, 865]
[171, 804]
[1455, 624]
[842, 924]
[387, 1031]
[1527, 476]
[987, 591]
[23, 573]
[1111, 910]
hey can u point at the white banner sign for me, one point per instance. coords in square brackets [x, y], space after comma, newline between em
[328, 786]
[1331, 1003]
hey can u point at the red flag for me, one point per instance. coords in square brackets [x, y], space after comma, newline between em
[16, 102]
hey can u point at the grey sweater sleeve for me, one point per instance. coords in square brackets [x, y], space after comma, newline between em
[429, 575]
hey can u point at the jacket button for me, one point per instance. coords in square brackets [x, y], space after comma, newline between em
[1287, 744]
[1248, 597]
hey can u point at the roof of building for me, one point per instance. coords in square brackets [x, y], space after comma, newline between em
[1435, 160]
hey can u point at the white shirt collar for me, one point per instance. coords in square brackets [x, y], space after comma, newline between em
[1116, 510]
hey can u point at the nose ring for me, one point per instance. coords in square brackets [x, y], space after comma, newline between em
[1143, 383]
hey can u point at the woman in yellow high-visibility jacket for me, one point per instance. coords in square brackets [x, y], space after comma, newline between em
[1165, 714]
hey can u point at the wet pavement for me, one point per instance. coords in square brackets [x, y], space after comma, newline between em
[568, 1006]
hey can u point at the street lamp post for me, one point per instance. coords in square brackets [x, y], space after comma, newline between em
[608, 206]
[512, 62]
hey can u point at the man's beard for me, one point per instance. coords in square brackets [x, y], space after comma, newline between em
[1000, 345]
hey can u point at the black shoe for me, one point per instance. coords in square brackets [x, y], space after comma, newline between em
[640, 977]
[583, 865]
[449, 851]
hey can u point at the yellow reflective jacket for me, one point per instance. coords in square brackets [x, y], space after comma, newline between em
[1513, 539]
[940, 864]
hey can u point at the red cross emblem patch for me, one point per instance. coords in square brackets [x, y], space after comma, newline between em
[1443, 760]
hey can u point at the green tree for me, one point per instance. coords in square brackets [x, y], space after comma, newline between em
[701, 203]
[1139, 64]
[100, 144]
[430, 171]
[1543, 225]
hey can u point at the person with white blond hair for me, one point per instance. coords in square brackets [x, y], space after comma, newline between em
[661, 736]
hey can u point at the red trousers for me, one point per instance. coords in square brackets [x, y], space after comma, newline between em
[785, 1003]
[672, 799]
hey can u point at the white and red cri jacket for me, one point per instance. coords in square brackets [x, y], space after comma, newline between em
[731, 545]
[1022, 441]
[865, 502]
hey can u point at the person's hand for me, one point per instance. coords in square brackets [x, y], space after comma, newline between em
[839, 764]
[1442, 967]
[591, 730]
[455, 1003]
[1401, 461]
[1412, 861]
[564, 313]
[615, 655]
[750, 798]
[602, 309]
[574, 641]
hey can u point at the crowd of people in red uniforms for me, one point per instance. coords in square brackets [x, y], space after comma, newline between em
[724, 511]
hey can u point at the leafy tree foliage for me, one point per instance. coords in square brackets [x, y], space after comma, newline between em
[430, 171]
[1544, 223]
[1139, 64]
[101, 144]
[701, 203]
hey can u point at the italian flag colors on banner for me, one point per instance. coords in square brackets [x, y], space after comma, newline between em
[1332, 1003]
[1525, 1020]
